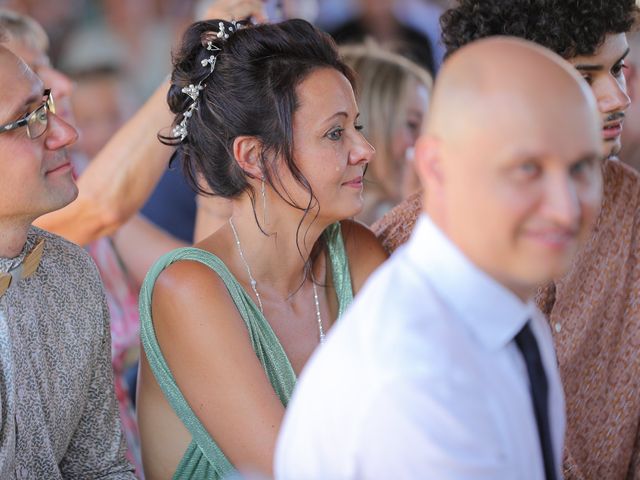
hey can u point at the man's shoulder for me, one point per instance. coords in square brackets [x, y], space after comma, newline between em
[620, 178]
[396, 226]
[60, 253]
[57, 245]
[398, 312]
[620, 213]
[398, 275]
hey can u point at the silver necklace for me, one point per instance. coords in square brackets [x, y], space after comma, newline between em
[254, 285]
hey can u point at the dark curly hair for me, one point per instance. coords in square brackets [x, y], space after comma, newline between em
[568, 27]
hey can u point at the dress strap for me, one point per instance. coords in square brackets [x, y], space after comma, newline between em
[214, 456]
[264, 342]
[339, 266]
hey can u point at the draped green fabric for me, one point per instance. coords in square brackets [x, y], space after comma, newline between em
[203, 459]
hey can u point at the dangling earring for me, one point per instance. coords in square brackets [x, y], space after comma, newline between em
[264, 203]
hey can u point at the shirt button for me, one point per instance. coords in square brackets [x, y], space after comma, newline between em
[558, 327]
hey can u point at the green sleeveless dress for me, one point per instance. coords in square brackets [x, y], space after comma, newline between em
[203, 459]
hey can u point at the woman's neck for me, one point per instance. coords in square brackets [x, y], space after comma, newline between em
[277, 256]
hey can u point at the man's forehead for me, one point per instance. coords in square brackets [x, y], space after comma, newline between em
[613, 49]
[17, 83]
[31, 55]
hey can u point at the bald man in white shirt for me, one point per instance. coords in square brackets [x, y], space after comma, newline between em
[444, 368]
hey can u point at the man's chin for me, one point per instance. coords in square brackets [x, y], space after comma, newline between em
[73, 194]
[612, 148]
[63, 196]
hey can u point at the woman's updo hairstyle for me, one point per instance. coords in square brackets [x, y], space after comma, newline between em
[251, 91]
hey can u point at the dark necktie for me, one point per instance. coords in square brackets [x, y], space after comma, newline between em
[540, 395]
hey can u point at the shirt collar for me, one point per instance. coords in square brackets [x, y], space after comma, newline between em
[493, 313]
[7, 264]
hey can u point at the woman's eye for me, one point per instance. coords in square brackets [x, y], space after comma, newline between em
[359, 128]
[335, 134]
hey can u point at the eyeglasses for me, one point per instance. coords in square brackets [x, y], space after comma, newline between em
[36, 121]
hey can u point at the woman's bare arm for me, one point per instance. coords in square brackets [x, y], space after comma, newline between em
[207, 347]
[140, 243]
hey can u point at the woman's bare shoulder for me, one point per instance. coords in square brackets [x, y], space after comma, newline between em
[364, 251]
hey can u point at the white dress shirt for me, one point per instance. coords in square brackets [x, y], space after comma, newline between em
[421, 378]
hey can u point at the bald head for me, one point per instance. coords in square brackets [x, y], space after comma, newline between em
[510, 159]
[502, 72]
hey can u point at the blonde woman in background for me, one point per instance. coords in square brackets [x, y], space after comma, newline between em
[393, 94]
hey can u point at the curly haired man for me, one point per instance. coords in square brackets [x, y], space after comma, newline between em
[593, 310]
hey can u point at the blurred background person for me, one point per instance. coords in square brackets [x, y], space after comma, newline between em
[26, 38]
[58, 22]
[393, 95]
[376, 19]
[399, 23]
[101, 104]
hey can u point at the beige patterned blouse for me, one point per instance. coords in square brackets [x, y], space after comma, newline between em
[594, 313]
[58, 413]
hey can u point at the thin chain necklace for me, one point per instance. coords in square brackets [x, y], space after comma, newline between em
[254, 285]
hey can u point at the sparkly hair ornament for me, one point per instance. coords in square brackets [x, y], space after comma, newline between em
[225, 29]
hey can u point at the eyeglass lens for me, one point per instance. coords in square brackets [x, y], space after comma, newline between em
[39, 120]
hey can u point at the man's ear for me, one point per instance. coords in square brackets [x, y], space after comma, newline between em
[246, 151]
[428, 160]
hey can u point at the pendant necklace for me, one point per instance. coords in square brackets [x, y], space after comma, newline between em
[254, 285]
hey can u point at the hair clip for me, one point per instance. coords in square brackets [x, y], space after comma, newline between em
[221, 32]
[193, 91]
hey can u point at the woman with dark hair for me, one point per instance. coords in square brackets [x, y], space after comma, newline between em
[266, 117]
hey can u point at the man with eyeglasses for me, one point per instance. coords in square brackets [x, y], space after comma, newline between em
[58, 413]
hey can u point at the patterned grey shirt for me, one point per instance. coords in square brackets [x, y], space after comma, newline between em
[58, 413]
